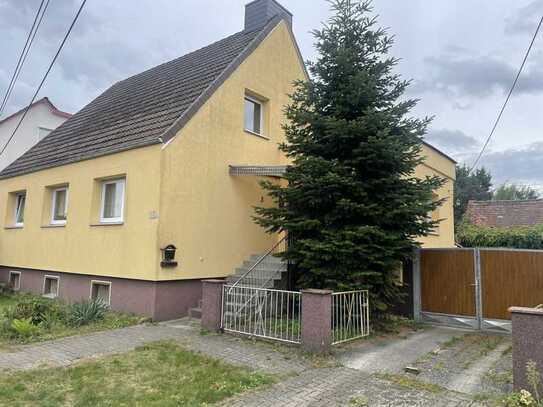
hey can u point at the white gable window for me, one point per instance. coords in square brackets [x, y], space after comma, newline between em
[59, 206]
[20, 202]
[253, 116]
[112, 208]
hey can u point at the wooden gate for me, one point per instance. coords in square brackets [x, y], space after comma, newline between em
[447, 286]
[510, 278]
[475, 287]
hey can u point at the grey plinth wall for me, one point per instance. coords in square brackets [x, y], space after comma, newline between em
[527, 333]
[212, 304]
[316, 320]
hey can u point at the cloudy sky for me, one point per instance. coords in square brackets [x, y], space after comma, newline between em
[462, 56]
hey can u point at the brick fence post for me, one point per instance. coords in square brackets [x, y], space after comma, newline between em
[212, 304]
[527, 331]
[317, 320]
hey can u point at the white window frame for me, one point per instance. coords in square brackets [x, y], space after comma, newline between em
[45, 278]
[54, 203]
[18, 195]
[12, 272]
[101, 282]
[117, 181]
[258, 102]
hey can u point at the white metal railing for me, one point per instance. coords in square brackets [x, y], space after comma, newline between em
[350, 316]
[262, 312]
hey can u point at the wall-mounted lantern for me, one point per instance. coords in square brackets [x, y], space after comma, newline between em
[168, 256]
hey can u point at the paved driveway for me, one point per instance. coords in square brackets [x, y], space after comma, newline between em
[347, 379]
[392, 354]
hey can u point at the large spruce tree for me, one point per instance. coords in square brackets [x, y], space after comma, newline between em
[352, 205]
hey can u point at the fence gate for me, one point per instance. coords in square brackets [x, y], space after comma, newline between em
[447, 289]
[475, 287]
[262, 312]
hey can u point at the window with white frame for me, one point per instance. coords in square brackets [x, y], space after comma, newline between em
[112, 207]
[254, 115]
[50, 286]
[20, 203]
[101, 290]
[15, 280]
[59, 206]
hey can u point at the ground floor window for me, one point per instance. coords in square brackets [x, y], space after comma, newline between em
[15, 280]
[101, 290]
[50, 286]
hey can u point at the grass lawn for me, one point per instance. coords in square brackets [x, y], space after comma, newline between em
[158, 374]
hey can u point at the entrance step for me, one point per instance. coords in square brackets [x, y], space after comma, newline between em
[183, 323]
[195, 313]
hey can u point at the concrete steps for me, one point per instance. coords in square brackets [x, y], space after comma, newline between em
[269, 273]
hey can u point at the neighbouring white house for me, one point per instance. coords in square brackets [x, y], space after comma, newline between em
[42, 118]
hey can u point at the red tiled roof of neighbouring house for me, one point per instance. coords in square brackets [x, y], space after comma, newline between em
[505, 213]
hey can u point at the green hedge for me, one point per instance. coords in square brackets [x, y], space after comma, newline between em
[518, 237]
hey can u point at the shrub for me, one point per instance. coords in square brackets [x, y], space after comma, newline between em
[85, 313]
[530, 237]
[24, 327]
[37, 309]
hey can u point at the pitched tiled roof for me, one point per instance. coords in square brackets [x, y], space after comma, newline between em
[505, 213]
[145, 109]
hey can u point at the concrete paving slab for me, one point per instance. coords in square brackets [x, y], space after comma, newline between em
[471, 379]
[394, 354]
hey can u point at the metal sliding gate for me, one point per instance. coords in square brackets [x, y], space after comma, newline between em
[473, 288]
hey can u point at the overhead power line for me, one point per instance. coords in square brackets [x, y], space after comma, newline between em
[44, 77]
[508, 97]
[24, 53]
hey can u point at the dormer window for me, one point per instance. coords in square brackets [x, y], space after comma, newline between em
[254, 113]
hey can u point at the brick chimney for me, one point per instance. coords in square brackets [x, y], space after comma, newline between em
[259, 12]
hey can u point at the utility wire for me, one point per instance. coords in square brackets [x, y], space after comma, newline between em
[508, 97]
[45, 76]
[24, 53]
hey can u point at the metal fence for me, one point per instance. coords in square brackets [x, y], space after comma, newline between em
[262, 312]
[350, 316]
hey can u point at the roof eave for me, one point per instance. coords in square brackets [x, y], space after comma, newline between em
[76, 160]
[437, 150]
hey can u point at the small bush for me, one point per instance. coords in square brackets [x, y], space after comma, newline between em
[85, 313]
[39, 310]
[24, 327]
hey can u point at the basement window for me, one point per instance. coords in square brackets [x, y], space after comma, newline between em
[50, 286]
[253, 116]
[15, 280]
[101, 290]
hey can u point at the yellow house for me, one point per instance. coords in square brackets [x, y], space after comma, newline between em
[166, 162]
